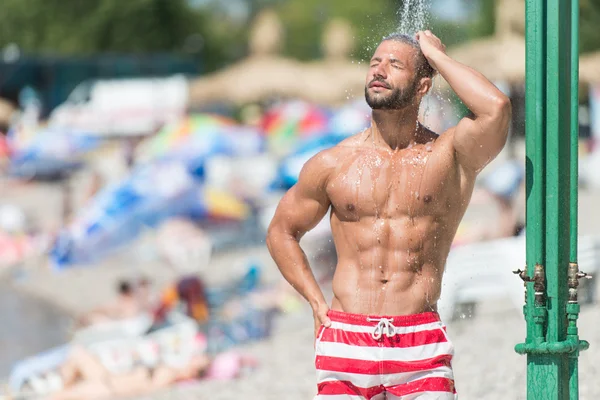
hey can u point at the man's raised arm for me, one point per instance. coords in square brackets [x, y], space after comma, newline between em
[300, 210]
[479, 139]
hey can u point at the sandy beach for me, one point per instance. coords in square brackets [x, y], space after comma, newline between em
[485, 364]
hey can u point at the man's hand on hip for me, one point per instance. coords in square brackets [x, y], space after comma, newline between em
[321, 318]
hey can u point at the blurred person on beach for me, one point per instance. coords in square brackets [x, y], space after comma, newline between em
[125, 305]
[5, 150]
[188, 291]
[85, 377]
[397, 193]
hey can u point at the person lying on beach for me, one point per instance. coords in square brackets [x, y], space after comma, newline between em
[85, 377]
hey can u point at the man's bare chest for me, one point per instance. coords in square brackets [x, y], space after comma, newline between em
[416, 184]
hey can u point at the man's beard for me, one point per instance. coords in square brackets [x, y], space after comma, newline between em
[396, 100]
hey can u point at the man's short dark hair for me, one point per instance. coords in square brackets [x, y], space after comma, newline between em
[424, 70]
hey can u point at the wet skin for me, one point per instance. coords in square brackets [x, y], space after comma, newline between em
[393, 217]
[395, 193]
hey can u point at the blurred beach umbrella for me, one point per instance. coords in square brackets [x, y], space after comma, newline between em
[503, 59]
[345, 121]
[235, 141]
[176, 134]
[151, 195]
[265, 74]
[499, 58]
[287, 124]
[45, 143]
[48, 154]
[205, 138]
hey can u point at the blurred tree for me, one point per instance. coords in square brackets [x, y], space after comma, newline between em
[87, 27]
[485, 25]
[588, 25]
[305, 19]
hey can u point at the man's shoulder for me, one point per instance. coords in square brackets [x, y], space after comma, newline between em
[327, 160]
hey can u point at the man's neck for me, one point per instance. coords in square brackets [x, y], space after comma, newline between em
[395, 129]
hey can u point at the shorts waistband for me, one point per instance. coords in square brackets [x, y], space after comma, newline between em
[372, 320]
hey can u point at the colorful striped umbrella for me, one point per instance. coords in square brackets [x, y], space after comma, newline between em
[288, 123]
[175, 135]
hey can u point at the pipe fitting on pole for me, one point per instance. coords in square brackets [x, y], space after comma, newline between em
[539, 285]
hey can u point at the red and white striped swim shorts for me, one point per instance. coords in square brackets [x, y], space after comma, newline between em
[373, 357]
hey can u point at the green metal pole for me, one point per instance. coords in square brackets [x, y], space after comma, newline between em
[573, 306]
[534, 310]
[558, 150]
[551, 311]
[574, 126]
[551, 345]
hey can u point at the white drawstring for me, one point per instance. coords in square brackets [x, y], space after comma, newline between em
[384, 326]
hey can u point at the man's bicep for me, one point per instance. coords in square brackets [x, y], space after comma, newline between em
[299, 211]
[478, 141]
[306, 203]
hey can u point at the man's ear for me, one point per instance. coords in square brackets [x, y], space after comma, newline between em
[425, 85]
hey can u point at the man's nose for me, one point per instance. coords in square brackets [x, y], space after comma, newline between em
[380, 72]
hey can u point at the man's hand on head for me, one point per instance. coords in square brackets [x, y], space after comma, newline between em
[431, 46]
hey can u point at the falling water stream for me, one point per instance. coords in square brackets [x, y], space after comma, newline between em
[413, 16]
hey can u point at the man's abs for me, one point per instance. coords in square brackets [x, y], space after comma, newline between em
[360, 290]
[396, 270]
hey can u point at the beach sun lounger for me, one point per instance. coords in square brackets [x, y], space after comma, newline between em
[482, 271]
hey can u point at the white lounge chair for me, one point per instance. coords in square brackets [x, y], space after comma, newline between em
[483, 271]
